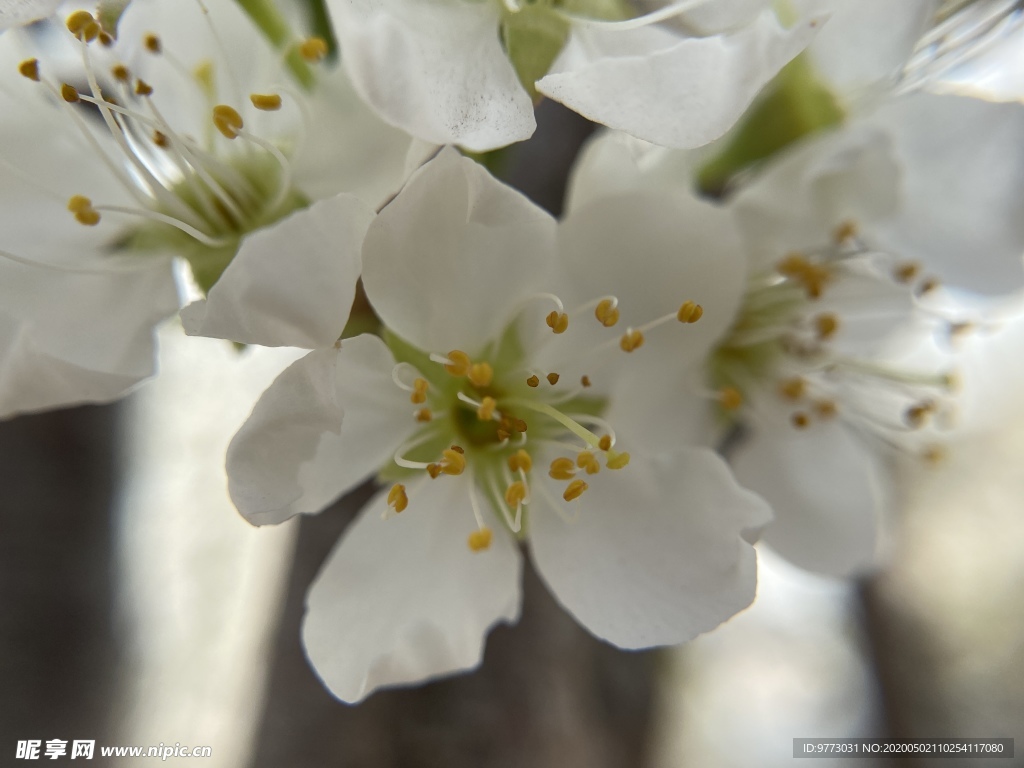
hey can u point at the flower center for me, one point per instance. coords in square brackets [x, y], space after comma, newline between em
[193, 198]
[495, 415]
[783, 352]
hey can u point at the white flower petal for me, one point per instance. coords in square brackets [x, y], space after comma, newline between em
[14, 13]
[327, 423]
[683, 95]
[78, 337]
[437, 70]
[445, 264]
[404, 600]
[865, 43]
[292, 283]
[962, 162]
[614, 163]
[798, 199]
[347, 147]
[653, 251]
[824, 488]
[658, 553]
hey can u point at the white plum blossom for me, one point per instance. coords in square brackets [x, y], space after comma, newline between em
[502, 403]
[184, 138]
[466, 71]
[840, 351]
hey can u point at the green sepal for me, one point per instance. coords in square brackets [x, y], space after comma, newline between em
[533, 37]
[794, 105]
[108, 13]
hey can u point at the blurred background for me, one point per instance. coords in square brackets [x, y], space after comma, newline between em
[139, 608]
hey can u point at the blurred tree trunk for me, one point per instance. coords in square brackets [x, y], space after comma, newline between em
[547, 694]
[57, 475]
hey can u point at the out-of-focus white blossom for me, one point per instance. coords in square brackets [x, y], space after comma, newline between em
[513, 397]
[184, 137]
[459, 71]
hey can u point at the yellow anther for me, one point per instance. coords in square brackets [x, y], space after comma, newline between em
[584, 381]
[419, 391]
[927, 286]
[799, 420]
[106, 39]
[826, 409]
[533, 381]
[424, 415]
[557, 321]
[689, 312]
[397, 499]
[793, 265]
[459, 363]
[552, 378]
[313, 49]
[161, 140]
[480, 540]
[935, 454]
[562, 469]
[607, 313]
[82, 25]
[917, 415]
[826, 326]
[458, 449]
[480, 374]
[574, 490]
[845, 232]
[605, 443]
[792, 389]
[142, 88]
[69, 93]
[433, 470]
[617, 460]
[906, 272]
[486, 410]
[152, 43]
[79, 203]
[121, 72]
[520, 460]
[454, 462]
[515, 494]
[730, 398]
[227, 120]
[81, 206]
[631, 340]
[585, 460]
[268, 102]
[29, 68]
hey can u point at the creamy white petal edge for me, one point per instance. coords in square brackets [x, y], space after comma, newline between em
[962, 165]
[14, 13]
[292, 283]
[684, 95]
[825, 489]
[659, 552]
[437, 70]
[447, 263]
[404, 600]
[79, 337]
[328, 422]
